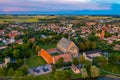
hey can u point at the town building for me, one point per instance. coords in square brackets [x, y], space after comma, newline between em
[92, 54]
[67, 46]
[46, 56]
[66, 58]
[75, 69]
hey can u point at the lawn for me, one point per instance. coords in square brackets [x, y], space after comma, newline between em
[35, 61]
[49, 46]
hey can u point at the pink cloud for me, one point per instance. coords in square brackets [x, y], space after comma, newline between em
[51, 5]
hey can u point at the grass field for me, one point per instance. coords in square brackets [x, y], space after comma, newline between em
[35, 61]
[10, 18]
[18, 20]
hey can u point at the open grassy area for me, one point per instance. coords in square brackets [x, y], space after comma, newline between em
[49, 46]
[35, 61]
[10, 18]
[19, 20]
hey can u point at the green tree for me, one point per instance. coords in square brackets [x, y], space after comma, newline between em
[114, 58]
[82, 59]
[18, 73]
[93, 45]
[93, 38]
[62, 75]
[19, 62]
[7, 52]
[53, 69]
[87, 45]
[94, 71]
[84, 72]
[3, 71]
[16, 53]
[82, 47]
[100, 61]
[75, 61]
[60, 62]
[59, 75]
[29, 44]
[37, 48]
[24, 70]
[10, 72]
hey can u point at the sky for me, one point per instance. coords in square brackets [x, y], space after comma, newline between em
[84, 7]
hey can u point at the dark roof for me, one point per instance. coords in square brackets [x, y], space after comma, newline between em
[92, 52]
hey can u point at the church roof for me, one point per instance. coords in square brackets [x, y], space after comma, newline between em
[46, 56]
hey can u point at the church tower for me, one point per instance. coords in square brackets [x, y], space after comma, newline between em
[103, 32]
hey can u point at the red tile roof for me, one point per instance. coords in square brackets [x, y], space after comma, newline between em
[46, 56]
[52, 50]
[67, 58]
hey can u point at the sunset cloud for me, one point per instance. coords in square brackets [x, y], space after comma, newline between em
[55, 5]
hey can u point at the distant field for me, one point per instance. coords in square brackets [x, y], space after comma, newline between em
[19, 19]
[35, 61]
[9, 18]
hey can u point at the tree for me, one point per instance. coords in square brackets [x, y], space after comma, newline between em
[24, 70]
[16, 53]
[93, 45]
[87, 45]
[7, 52]
[10, 72]
[84, 72]
[87, 64]
[29, 44]
[62, 75]
[59, 75]
[93, 38]
[75, 61]
[81, 47]
[3, 71]
[82, 59]
[27, 54]
[94, 71]
[18, 73]
[67, 75]
[37, 48]
[114, 58]
[42, 40]
[60, 62]
[19, 62]
[100, 61]
[53, 69]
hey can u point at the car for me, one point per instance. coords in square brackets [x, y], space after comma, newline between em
[37, 71]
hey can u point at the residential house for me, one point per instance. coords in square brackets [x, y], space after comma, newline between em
[75, 69]
[92, 54]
